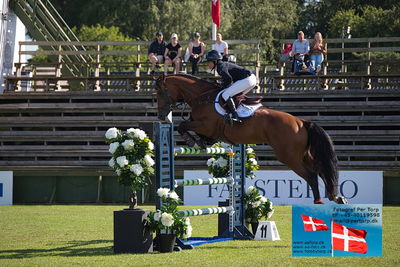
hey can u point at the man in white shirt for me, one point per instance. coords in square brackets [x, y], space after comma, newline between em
[221, 47]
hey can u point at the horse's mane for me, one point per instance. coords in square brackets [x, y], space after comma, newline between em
[194, 78]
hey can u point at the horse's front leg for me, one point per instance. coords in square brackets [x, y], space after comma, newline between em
[186, 136]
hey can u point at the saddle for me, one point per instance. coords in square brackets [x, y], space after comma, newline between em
[242, 99]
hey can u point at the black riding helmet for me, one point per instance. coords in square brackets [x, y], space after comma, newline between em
[212, 55]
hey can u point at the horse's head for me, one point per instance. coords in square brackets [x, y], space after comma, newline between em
[166, 97]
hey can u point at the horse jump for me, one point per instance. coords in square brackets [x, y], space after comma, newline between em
[165, 156]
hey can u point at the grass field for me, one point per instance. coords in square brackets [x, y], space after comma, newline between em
[83, 235]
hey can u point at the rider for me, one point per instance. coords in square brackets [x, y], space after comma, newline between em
[234, 78]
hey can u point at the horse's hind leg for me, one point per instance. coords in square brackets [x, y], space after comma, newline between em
[311, 178]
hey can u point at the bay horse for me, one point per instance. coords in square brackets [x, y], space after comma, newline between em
[301, 145]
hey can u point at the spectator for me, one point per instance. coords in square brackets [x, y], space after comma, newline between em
[196, 51]
[156, 51]
[221, 47]
[172, 54]
[317, 51]
[300, 49]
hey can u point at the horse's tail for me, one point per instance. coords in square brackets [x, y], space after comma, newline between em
[325, 162]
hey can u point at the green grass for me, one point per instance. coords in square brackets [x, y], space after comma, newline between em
[83, 235]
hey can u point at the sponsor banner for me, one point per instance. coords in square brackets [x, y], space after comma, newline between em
[287, 188]
[337, 230]
[6, 187]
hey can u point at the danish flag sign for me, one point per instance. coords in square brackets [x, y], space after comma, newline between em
[215, 14]
[348, 239]
[313, 224]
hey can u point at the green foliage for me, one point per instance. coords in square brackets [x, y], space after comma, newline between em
[103, 33]
[367, 21]
[263, 20]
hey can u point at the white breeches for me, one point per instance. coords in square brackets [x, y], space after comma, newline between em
[240, 86]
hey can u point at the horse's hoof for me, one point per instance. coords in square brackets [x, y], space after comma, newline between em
[318, 201]
[341, 200]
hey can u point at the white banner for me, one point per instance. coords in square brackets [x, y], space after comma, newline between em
[6, 188]
[287, 188]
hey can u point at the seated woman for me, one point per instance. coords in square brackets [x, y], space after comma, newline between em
[172, 54]
[196, 51]
[221, 47]
[317, 51]
[235, 79]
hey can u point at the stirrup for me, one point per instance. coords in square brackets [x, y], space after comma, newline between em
[232, 120]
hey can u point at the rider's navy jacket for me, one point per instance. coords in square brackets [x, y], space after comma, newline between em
[231, 73]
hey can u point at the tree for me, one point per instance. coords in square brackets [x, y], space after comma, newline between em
[369, 21]
[263, 20]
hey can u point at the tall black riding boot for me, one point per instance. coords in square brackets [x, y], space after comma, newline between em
[233, 117]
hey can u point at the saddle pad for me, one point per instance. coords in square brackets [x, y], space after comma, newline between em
[243, 111]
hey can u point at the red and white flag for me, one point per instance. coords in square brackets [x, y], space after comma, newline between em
[348, 239]
[215, 14]
[313, 224]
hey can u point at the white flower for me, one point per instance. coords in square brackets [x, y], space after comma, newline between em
[256, 204]
[150, 145]
[137, 133]
[113, 147]
[149, 161]
[173, 195]
[111, 163]
[250, 189]
[187, 221]
[270, 206]
[222, 162]
[118, 172]
[162, 192]
[188, 232]
[210, 162]
[253, 161]
[157, 216]
[263, 199]
[137, 169]
[128, 144]
[112, 133]
[122, 161]
[269, 214]
[249, 150]
[167, 219]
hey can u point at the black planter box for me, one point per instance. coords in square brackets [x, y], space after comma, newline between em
[130, 236]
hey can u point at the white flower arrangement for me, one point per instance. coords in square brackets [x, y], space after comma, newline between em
[132, 153]
[218, 165]
[257, 206]
[168, 218]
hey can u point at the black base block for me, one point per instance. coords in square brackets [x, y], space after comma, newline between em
[130, 236]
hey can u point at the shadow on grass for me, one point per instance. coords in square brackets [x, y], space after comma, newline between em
[71, 249]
